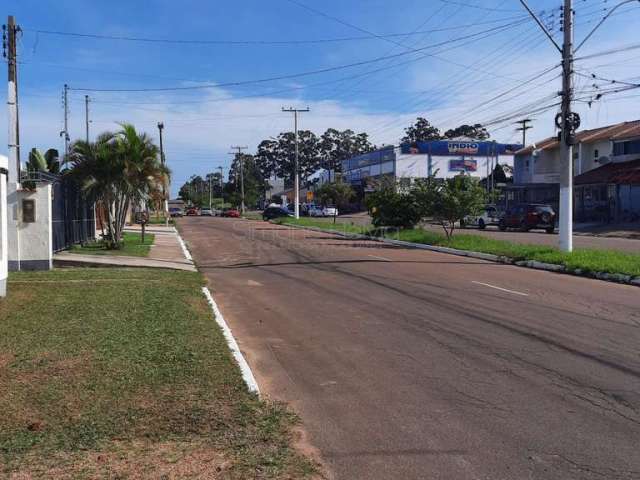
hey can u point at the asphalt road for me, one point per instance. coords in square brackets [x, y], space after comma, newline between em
[409, 364]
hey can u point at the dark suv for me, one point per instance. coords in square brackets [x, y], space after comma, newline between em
[275, 212]
[527, 216]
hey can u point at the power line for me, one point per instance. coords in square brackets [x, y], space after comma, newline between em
[314, 72]
[261, 42]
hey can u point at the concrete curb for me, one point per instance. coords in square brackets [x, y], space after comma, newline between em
[549, 267]
[183, 245]
[247, 374]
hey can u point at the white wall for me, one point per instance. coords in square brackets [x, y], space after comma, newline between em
[4, 254]
[35, 240]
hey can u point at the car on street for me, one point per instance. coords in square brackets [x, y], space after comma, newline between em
[527, 216]
[192, 212]
[490, 215]
[231, 213]
[275, 212]
[206, 212]
[320, 211]
[175, 212]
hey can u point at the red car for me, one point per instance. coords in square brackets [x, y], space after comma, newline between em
[527, 216]
[192, 212]
[231, 213]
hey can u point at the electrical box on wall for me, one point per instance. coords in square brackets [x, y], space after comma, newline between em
[28, 210]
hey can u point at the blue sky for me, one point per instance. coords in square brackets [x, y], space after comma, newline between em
[469, 53]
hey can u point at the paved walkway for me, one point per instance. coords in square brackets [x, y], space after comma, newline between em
[166, 252]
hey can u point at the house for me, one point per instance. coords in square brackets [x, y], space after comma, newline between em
[606, 182]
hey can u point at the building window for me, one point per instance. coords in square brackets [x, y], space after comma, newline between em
[629, 147]
[596, 154]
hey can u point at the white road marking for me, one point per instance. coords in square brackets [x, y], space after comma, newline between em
[253, 283]
[247, 374]
[500, 288]
[380, 258]
[185, 250]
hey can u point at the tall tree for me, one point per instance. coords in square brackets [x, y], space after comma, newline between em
[266, 157]
[336, 145]
[421, 131]
[254, 182]
[477, 132]
[308, 155]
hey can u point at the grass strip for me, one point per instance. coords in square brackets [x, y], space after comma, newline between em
[119, 373]
[132, 246]
[586, 260]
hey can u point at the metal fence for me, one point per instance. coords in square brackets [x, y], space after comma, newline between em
[72, 215]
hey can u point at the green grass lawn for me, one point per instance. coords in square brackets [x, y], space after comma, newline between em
[588, 260]
[119, 373]
[132, 246]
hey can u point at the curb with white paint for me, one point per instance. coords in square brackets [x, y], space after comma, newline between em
[183, 245]
[247, 374]
[549, 267]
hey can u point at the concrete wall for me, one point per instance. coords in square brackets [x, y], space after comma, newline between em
[4, 244]
[34, 248]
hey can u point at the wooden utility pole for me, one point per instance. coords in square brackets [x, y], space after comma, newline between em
[239, 157]
[86, 116]
[296, 181]
[524, 129]
[65, 132]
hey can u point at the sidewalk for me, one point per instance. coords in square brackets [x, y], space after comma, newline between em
[166, 252]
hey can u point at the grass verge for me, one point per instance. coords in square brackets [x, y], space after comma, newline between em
[132, 246]
[586, 260]
[123, 373]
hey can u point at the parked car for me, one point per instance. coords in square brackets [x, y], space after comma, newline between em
[275, 212]
[175, 212]
[231, 213]
[315, 211]
[192, 212]
[490, 215]
[206, 212]
[330, 211]
[527, 216]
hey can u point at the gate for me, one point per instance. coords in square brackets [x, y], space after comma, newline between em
[73, 217]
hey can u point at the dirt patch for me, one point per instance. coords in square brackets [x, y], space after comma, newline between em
[132, 460]
[303, 445]
[5, 359]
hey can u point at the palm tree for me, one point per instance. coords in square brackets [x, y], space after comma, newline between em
[98, 169]
[146, 176]
[118, 171]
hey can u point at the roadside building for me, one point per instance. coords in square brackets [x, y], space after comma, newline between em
[606, 164]
[440, 158]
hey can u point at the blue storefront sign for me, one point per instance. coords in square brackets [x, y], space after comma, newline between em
[457, 147]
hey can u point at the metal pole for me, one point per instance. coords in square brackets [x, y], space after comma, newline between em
[86, 116]
[221, 186]
[66, 121]
[566, 137]
[165, 193]
[210, 204]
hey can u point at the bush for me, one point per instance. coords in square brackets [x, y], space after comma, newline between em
[391, 208]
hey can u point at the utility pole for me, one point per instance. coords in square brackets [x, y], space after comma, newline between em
[569, 122]
[210, 204]
[65, 132]
[86, 116]
[10, 51]
[524, 129]
[164, 185]
[239, 157]
[221, 186]
[296, 181]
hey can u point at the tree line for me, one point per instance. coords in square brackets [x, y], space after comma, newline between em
[275, 157]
